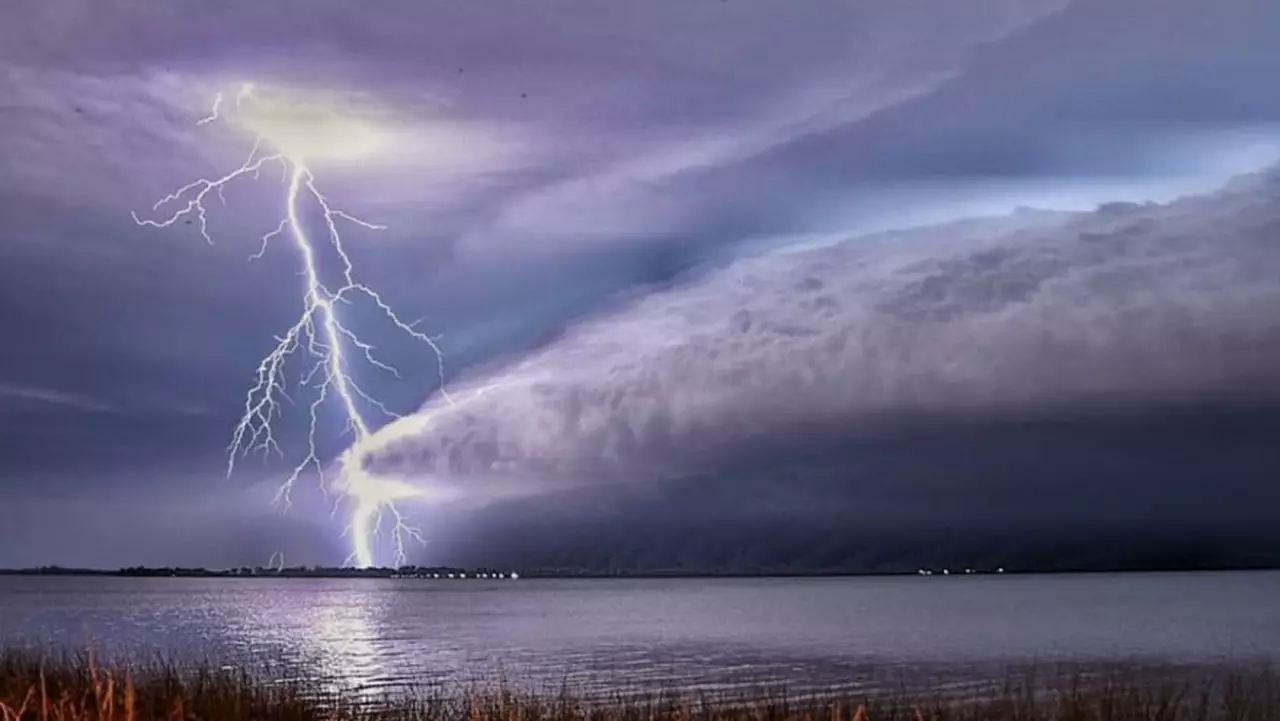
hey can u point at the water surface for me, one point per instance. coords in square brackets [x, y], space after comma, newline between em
[708, 633]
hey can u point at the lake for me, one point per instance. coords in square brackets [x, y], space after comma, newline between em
[637, 633]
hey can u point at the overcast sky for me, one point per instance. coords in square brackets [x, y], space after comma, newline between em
[625, 222]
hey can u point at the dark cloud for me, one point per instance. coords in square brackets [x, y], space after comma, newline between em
[1163, 487]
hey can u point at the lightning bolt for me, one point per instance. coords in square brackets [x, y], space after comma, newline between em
[320, 336]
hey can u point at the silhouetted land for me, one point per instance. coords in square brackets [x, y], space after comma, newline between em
[446, 573]
[37, 687]
[265, 572]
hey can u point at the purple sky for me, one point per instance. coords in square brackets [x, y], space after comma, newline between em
[568, 152]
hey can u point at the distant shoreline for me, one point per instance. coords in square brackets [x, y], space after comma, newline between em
[482, 574]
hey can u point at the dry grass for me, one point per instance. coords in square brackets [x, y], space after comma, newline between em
[75, 688]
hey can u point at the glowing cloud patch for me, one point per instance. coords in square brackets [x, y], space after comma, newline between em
[305, 127]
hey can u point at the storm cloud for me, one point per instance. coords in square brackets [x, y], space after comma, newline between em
[1049, 390]
[1021, 316]
[583, 210]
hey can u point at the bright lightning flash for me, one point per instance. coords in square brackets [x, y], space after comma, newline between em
[319, 333]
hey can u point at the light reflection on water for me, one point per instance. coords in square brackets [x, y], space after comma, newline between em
[346, 642]
[707, 634]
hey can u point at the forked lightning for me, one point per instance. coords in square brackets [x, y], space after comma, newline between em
[320, 336]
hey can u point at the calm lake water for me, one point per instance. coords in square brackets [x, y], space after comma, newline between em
[691, 632]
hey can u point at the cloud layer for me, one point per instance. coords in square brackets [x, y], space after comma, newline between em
[1037, 313]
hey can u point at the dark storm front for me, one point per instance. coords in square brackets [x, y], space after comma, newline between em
[686, 633]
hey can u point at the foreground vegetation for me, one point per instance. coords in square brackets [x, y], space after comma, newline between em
[76, 688]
